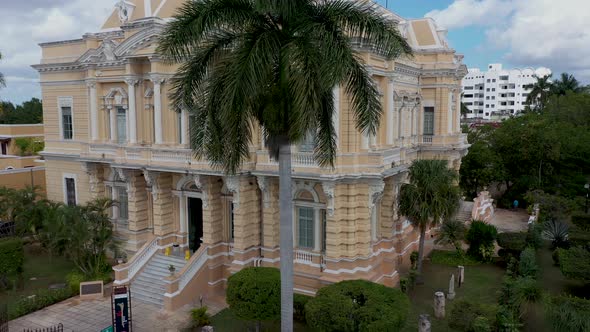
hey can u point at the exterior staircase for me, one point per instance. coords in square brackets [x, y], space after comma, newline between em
[464, 213]
[149, 285]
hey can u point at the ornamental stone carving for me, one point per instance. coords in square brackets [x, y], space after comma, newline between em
[125, 10]
[151, 179]
[263, 184]
[232, 184]
[328, 188]
[92, 169]
[375, 193]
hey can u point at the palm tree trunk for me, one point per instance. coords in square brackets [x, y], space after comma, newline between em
[286, 237]
[419, 278]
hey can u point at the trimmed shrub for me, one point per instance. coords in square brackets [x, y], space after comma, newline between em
[464, 314]
[579, 237]
[527, 266]
[581, 221]
[254, 294]
[566, 314]
[512, 243]
[414, 259]
[481, 237]
[12, 257]
[357, 305]
[74, 279]
[200, 317]
[299, 302]
[534, 238]
[574, 263]
[42, 299]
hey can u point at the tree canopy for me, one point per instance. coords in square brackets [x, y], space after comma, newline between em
[28, 112]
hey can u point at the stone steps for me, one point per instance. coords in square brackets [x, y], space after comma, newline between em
[149, 285]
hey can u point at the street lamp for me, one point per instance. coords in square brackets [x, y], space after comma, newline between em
[587, 187]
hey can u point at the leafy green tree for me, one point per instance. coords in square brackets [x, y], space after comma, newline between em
[254, 294]
[566, 83]
[431, 196]
[12, 258]
[540, 92]
[25, 207]
[29, 112]
[357, 305]
[274, 64]
[481, 237]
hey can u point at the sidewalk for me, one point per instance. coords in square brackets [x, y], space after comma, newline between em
[94, 315]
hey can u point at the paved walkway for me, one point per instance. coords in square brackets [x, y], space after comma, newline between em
[94, 315]
[510, 220]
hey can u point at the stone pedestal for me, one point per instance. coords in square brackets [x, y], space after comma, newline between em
[424, 323]
[439, 305]
[451, 294]
[461, 274]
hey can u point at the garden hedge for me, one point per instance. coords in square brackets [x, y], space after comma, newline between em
[513, 242]
[357, 305]
[42, 299]
[581, 221]
[12, 256]
[566, 313]
[574, 263]
[464, 314]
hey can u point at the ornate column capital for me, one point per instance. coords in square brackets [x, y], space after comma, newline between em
[157, 79]
[375, 193]
[328, 188]
[232, 183]
[263, 184]
[151, 179]
[91, 83]
[131, 81]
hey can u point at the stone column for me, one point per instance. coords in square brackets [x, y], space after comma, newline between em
[390, 111]
[184, 139]
[93, 110]
[375, 195]
[158, 81]
[450, 113]
[451, 294]
[162, 206]
[113, 122]
[270, 210]
[246, 200]
[95, 174]
[132, 123]
[439, 305]
[461, 274]
[424, 323]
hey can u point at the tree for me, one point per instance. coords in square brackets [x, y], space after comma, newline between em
[431, 196]
[540, 92]
[566, 83]
[274, 64]
[452, 232]
[357, 305]
[254, 294]
[26, 113]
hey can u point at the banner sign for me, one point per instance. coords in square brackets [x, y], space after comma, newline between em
[121, 309]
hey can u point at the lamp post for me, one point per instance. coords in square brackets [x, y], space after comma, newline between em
[587, 186]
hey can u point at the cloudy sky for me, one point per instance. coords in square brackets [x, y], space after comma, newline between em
[518, 33]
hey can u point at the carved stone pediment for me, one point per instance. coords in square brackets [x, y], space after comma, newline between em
[105, 53]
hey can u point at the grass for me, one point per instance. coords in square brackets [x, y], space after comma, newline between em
[482, 283]
[46, 270]
[451, 258]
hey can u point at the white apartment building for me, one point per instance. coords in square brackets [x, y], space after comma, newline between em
[497, 93]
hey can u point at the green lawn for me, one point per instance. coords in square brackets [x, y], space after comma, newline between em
[46, 269]
[481, 285]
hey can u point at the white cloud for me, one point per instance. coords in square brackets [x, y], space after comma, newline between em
[547, 33]
[27, 23]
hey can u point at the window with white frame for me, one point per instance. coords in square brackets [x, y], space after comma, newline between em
[310, 221]
[66, 117]
[70, 190]
[428, 120]
[117, 191]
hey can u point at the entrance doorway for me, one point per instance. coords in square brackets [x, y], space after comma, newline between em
[195, 223]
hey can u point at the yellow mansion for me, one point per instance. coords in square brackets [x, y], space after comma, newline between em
[110, 132]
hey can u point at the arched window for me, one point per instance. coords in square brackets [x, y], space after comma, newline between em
[310, 220]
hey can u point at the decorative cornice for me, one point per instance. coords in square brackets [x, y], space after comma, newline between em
[232, 183]
[151, 179]
[328, 188]
[375, 193]
[263, 184]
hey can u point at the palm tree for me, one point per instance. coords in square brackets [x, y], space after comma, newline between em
[274, 64]
[541, 90]
[566, 83]
[431, 196]
[2, 81]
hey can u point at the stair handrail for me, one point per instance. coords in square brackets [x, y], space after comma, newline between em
[141, 257]
[193, 266]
